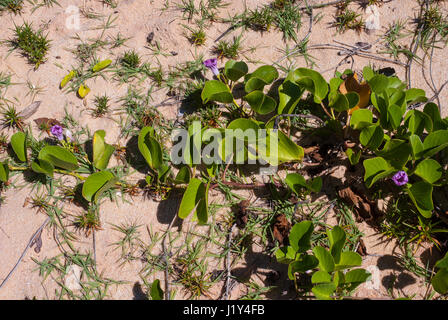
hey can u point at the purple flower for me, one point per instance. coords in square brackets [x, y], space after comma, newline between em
[57, 131]
[400, 178]
[212, 64]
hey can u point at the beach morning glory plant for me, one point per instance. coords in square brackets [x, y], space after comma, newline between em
[212, 64]
[57, 131]
[400, 178]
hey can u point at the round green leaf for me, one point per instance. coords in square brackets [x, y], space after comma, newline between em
[326, 261]
[421, 194]
[337, 237]
[59, 157]
[378, 83]
[156, 292]
[42, 166]
[150, 148]
[375, 169]
[429, 169]
[348, 259]
[234, 70]
[101, 150]
[4, 171]
[194, 201]
[313, 82]
[260, 102]
[18, 143]
[371, 136]
[300, 235]
[361, 118]
[97, 183]
[215, 90]
[289, 94]
[440, 281]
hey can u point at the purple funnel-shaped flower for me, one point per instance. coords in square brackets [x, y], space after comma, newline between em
[400, 178]
[212, 64]
[57, 131]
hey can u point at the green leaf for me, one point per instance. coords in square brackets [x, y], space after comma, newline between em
[67, 78]
[260, 77]
[326, 261]
[300, 236]
[101, 65]
[432, 110]
[375, 169]
[443, 263]
[234, 70]
[289, 94]
[320, 276]
[59, 157]
[150, 148]
[323, 291]
[378, 83]
[4, 171]
[368, 73]
[371, 137]
[395, 116]
[414, 95]
[352, 156]
[184, 175]
[397, 152]
[156, 291]
[416, 146]
[361, 118]
[195, 201]
[421, 194]
[435, 142]
[18, 143]
[96, 184]
[288, 151]
[353, 99]
[304, 263]
[339, 103]
[356, 277]
[313, 82]
[348, 259]
[215, 90]
[337, 237]
[42, 166]
[429, 169]
[296, 181]
[315, 184]
[101, 150]
[260, 102]
[417, 121]
[440, 281]
[285, 254]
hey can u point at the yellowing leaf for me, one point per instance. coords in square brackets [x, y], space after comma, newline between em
[83, 91]
[351, 84]
[67, 78]
[101, 65]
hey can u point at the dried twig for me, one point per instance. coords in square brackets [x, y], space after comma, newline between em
[165, 255]
[228, 263]
[30, 243]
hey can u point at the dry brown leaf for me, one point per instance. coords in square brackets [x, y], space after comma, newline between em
[360, 206]
[47, 122]
[351, 84]
[281, 229]
[242, 214]
[30, 110]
